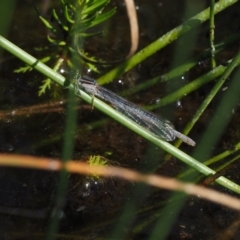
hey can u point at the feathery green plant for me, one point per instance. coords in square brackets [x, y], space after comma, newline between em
[68, 31]
[97, 160]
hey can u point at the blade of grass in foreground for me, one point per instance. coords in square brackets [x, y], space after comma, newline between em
[4, 43]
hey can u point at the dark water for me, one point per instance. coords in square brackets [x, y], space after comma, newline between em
[34, 125]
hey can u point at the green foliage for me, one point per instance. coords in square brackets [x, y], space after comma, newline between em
[89, 14]
[97, 160]
[67, 32]
[79, 16]
[29, 68]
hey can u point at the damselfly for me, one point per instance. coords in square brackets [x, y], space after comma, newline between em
[157, 125]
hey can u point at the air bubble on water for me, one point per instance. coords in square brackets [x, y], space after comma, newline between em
[87, 185]
[10, 148]
[157, 100]
[224, 89]
[62, 70]
[179, 104]
[120, 81]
